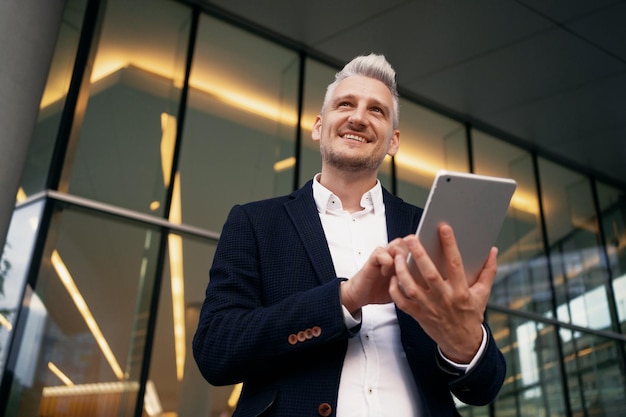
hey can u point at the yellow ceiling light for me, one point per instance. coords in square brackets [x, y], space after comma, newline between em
[285, 164]
[416, 164]
[55, 370]
[5, 323]
[175, 242]
[234, 395]
[152, 402]
[177, 279]
[83, 308]
[21, 195]
[525, 203]
[240, 98]
[168, 142]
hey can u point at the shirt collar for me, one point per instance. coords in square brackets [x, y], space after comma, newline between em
[326, 201]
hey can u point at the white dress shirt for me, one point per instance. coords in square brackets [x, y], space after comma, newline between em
[376, 380]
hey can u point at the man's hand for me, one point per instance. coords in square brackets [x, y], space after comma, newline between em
[448, 310]
[370, 285]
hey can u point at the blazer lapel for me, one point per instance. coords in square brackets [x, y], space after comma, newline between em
[401, 218]
[302, 211]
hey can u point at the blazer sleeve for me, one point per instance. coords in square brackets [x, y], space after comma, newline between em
[265, 309]
[481, 384]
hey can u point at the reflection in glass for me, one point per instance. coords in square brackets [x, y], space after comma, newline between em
[612, 205]
[53, 99]
[85, 326]
[582, 292]
[181, 388]
[240, 125]
[522, 281]
[576, 256]
[428, 142]
[124, 152]
[14, 266]
[533, 383]
[317, 77]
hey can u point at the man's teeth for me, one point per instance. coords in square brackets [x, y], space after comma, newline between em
[354, 137]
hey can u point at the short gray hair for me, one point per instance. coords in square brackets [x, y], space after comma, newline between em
[371, 66]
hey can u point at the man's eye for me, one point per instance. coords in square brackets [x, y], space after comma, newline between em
[377, 110]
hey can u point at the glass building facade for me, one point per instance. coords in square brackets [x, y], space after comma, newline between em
[157, 117]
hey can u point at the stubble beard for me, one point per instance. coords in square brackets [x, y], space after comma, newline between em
[350, 163]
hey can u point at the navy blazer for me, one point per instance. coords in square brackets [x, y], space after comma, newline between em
[272, 317]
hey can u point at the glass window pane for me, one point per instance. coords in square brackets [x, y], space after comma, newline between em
[181, 388]
[240, 125]
[85, 328]
[523, 281]
[428, 142]
[317, 77]
[124, 153]
[595, 374]
[45, 134]
[14, 267]
[612, 204]
[533, 385]
[579, 274]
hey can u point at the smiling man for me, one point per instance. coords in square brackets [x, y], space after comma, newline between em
[310, 303]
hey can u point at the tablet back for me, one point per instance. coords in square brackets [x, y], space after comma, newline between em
[475, 206]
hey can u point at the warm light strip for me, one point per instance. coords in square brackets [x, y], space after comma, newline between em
[524, 203]
[78, 299]
[243, 100]
[152, 403]
[21, 195]
[97, 388]
[6, 323]
[285, 164]
[416, 164]
[168, 142]
[60, 374]
[177, 278]
[234, 395]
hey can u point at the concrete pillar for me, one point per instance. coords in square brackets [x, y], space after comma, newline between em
[28, 33]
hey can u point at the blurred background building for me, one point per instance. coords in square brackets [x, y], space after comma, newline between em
[130, 128]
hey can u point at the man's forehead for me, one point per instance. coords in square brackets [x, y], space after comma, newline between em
[361, 86]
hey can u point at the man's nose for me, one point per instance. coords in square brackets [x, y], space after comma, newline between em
[358, 116]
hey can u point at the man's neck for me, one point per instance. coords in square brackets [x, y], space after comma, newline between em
[349, 187]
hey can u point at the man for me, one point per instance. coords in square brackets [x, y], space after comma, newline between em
[310, 302]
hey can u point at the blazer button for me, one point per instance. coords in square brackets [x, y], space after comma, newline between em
[293, 339]
[317, 331]
[324, 409]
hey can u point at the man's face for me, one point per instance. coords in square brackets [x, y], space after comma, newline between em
[356, 130]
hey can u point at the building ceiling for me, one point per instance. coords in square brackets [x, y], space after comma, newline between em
[550, 75]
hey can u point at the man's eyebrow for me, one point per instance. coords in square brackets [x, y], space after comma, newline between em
[372, 100]
[344, 97]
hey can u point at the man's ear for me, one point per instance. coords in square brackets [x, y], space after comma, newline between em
[394, 143]
[316, 132]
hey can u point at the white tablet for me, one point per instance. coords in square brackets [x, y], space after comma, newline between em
[475, 206]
